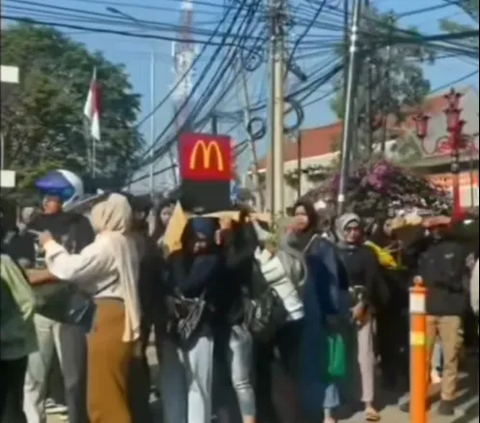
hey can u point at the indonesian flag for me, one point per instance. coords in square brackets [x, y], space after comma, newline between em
[92, 107]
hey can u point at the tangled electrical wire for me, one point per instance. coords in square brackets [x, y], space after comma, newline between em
[243, 27]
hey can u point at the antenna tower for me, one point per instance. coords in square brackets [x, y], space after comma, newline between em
[183, 56]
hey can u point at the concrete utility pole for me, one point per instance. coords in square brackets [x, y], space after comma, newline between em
[368, 83]
[349, 101]
[152, 122]
[277, 202]
[246, 119]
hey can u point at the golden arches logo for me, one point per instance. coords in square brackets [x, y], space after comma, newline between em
[208, 150]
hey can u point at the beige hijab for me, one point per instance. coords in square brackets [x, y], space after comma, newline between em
[112, 220]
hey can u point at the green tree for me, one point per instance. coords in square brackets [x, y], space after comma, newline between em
[470, 7]
[42, 119]
[391, 75]
[408, 150]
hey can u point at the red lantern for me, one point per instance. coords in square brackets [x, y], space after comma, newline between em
[453, 99]
[453, 119]
[421, 122]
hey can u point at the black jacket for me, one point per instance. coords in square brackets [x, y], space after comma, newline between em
[363, 269]
[72, 230]
[443, 268]
[239, 250]
[200, 276]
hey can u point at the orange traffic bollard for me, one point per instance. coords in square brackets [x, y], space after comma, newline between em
[418, 352]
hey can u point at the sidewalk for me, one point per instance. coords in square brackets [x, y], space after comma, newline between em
[467, 403]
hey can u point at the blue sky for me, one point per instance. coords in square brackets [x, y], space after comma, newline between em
[135, 53]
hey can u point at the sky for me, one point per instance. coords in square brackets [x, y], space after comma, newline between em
[136, 54]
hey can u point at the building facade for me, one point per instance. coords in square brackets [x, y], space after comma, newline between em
[307, 160]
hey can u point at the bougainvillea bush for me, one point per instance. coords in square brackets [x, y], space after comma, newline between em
[381, 188]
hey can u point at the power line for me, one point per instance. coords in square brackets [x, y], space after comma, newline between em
[192, 93]
[112, 31]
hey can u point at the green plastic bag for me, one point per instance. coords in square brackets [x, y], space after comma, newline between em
[337, 357]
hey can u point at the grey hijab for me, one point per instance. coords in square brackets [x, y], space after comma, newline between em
[342, 222]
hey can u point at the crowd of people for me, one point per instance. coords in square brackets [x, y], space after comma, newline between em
[232, 304]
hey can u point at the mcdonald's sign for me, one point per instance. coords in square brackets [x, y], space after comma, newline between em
[205, 157]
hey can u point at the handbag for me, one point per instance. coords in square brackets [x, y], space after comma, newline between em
[337, 358]
[66, 303]
[264, 311]
[265, 315]
[186, 317]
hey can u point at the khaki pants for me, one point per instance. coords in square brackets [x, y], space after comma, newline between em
[449, 331]
[109, 364]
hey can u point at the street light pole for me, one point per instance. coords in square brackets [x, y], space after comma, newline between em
[349, 99]
[455, 127]
[152, 122]
[276, 164]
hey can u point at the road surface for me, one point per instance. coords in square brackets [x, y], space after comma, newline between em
[467, 411]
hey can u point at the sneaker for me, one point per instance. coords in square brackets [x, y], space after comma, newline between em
[63, 417]
[446, 408]
[54, 408]
[405, 407]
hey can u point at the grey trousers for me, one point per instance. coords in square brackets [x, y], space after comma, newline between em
[70, 344]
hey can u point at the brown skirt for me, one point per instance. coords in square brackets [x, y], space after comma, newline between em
[109, 360]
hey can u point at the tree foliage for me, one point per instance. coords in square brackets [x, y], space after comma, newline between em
[470, 7]
[378, 188]
[396, 77]
[42, 119]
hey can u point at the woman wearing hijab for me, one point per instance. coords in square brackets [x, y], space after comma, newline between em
[239, 242]
[324, 289]
[364, 273]
[187, 368]
[108, 269]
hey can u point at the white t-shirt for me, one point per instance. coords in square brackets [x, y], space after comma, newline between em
[277, 277]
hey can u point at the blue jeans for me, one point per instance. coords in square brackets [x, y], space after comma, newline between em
[240, 357]
[187, 382]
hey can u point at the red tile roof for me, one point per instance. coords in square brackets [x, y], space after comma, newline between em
[320, 141]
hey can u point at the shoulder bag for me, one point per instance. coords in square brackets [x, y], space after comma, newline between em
[265, 312]
[186, 316]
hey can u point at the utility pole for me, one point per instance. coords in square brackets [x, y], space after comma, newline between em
[277, 107]
[368, 108]
[346, 24]
[386, 89]
[349, 100]
[152, 122]
[214, 124]
[247, 118]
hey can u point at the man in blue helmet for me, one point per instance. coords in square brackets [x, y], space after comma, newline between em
[74, 232]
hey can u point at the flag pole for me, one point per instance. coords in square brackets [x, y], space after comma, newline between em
[94, 141]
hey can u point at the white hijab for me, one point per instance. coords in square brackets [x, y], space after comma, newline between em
[112, 218]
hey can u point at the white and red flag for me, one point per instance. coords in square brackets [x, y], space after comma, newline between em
[92, 107]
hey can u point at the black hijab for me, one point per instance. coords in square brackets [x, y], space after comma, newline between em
[300, 239]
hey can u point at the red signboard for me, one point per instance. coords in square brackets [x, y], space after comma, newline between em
[205, 157]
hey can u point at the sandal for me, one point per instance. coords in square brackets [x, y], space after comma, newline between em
[372, 415]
